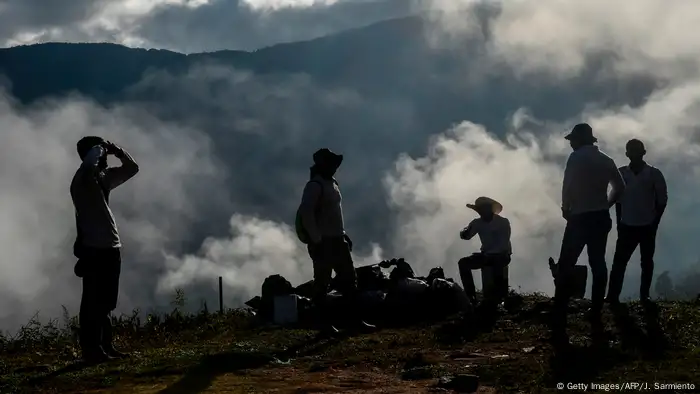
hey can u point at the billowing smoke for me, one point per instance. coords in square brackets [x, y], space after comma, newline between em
[551, 42]
[224, 155]
[524, 172]
[38, 159]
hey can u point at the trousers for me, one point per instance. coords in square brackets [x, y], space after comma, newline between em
[628, 238]
[333, 254]
[100, 270]
[586, 230]
[480, 261]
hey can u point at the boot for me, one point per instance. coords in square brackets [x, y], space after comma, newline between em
[92, 356]
[106, 339]
[327, 330]
[114, 353]
[362, 325]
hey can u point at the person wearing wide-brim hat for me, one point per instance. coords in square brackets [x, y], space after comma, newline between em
[586, 209]
[486, 203]
[494, 233]
[320, 225]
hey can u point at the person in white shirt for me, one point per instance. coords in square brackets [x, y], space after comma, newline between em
[494, 233]
[321, 226]
[639, 213]
[586, 208]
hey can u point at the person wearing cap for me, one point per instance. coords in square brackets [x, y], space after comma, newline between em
[98, 245]
[639, 213]
[494, 233]
[321, 216]
[586, 208]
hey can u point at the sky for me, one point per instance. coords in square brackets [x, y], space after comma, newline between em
[197, 211]
[188, 25]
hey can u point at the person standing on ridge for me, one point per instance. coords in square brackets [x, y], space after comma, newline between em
[639, 213]
[586, 209]
[97, 245]
[321, 226]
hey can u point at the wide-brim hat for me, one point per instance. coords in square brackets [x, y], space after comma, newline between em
[326, 156]
[581, 132]
[496, 206]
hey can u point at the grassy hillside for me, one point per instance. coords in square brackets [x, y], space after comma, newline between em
[232, 352]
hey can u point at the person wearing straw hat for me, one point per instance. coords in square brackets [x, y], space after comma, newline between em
[494, 233]
[586, 209]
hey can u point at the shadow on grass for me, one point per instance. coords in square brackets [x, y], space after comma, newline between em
[583, 364]
[201, 376]
[652, 342]
[466, 328]
[70, 368]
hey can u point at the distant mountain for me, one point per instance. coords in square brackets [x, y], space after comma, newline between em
[103, 71]
[375, 92]
[372, 93]
[386, 59]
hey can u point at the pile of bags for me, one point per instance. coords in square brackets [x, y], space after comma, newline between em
[398, 297]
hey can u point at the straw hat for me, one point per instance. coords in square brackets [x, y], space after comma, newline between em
[486, 202]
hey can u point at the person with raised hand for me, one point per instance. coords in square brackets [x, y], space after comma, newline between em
[98, 245]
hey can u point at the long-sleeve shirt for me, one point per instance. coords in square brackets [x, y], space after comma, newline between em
[494, 234]
[94, 218]
[321, 209]
[586, 178]
[645, 194]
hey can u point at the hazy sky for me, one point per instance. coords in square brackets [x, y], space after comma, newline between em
[188, 25]
[185, 177]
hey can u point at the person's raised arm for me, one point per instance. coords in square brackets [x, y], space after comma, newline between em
[470, 231]
[115, 176]
[661, 191]
[307, 209]
[617, 182]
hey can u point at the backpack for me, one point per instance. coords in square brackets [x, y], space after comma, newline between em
[302, 234]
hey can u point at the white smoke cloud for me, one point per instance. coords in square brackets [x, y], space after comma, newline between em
[524, 171]
[277, 4]
[181, 175]
[430, 194]
[256, 249]
[37, 162]
[556, 37]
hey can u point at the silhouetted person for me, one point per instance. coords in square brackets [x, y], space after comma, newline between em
[639, 213]
[98, 245]
[664, 286]
[494, 233]
[329, 247]
[586, 208]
